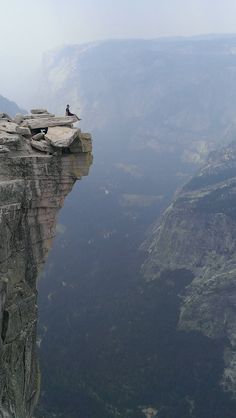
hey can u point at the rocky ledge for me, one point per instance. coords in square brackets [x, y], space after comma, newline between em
[44, 132]
[198, 233]
[33, 186]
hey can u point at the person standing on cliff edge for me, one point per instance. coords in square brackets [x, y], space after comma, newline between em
[68, 112]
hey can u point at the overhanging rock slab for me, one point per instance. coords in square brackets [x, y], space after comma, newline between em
[38, 111]
[61, 136]
[42, 123]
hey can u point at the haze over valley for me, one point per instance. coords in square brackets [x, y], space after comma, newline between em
[153, 125]
[135, 301]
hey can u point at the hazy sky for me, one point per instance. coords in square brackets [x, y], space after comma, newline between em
[29, 27]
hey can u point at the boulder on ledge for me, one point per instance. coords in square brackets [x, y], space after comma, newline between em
[42, 146]
[9, 127]
[23, 130]
[61, 136]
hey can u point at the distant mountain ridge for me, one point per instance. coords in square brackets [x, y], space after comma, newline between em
[174, 95]
[156, 108]
[9, 107]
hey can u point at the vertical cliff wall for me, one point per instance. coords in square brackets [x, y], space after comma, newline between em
[198, 234]
[33, 187]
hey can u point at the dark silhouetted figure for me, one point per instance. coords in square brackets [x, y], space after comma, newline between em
[68, 112]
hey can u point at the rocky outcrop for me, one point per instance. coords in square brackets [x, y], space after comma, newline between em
[53, 134]
[61, 136]
[33, 186]
[198, 233]
[45, 122]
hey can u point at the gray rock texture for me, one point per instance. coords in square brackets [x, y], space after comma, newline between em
[47, 132]
[198, 233]
[38, 111]
[9, 127]
[40, 123]
[33, 187]
[42, 145]
[61, 136]
[44, 132]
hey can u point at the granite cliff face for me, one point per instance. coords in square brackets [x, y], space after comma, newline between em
[33, 186]
[198, 233]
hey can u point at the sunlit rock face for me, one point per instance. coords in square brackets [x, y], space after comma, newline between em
[198, 233]
[33, 187]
